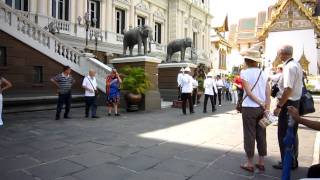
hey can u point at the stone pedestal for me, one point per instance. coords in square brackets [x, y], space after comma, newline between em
[168, 85]
[151, 100]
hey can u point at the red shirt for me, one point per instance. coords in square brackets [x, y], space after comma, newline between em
[238, 81]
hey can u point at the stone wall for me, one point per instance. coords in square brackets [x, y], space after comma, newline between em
[21, 60]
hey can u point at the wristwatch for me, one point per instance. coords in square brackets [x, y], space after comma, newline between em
[279, 107]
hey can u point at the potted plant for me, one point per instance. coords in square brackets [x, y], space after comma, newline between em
[136, 83]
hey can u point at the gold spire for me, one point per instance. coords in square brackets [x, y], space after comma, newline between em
[304, 62]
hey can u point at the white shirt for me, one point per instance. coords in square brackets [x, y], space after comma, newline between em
[89, 83]
[220, 84]
[209, 85]
[186, 83]
[179, 78]
[251, 75]
[292, 78]
[195, 83]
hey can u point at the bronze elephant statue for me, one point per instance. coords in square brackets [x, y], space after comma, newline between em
[140, 36]
[176, 46]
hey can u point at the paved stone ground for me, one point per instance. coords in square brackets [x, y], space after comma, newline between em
[163, 145]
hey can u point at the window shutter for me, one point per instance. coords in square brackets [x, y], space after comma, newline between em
[98, 14]
[17, 4]
[123, 21]
[66, 6]
[54, 6]
[26, 5]
[159, 33]
[9, 2]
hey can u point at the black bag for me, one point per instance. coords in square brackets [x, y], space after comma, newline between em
[274, 90]
[306, 103]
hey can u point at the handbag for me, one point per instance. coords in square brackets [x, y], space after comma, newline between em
[239, 104]
[306, 103]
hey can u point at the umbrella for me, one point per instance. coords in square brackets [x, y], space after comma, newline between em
[288, 140]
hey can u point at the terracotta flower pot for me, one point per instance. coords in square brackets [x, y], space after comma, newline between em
[133, 101]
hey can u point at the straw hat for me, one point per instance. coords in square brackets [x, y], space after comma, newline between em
[187, 69]
[252, 55]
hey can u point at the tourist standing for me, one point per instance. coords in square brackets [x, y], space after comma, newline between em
[220, 87]
[256, 101]
[291, 87]
[63, 82]
[209, 89]
[186, 89]
[234, 94]
[228, 90]
[179, 79]
[195, 85]
[113, 82]
[89, 83]
[4, 85]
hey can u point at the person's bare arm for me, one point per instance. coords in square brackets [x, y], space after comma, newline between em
[119, 78]
[249, 93]
[54, 82]
[296, 116]
[7, 85]
[268, 95]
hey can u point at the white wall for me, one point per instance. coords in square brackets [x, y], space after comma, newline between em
[299, 40]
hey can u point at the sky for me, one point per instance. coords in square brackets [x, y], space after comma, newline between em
[237, 9]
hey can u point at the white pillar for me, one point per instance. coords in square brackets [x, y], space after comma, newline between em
[33, 6]
[41, 7]
[103, 17]
[110, 16]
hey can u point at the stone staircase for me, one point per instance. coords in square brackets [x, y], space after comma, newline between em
[19, 26]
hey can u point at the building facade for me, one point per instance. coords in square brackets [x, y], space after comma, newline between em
[109, 19]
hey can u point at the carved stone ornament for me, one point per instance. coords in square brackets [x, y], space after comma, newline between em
[143, 6]
[123, 1]
[159, 13]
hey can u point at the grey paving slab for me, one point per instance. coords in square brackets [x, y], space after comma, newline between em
[156, 175]
[17, 175]
[52, 154]
[103, 172]
[45, 145]
[55, 170]
[122, 150]
[86, 147]
[180, 166]
[15, 163]
[201, 155]
[67, 178]
[137, 162]
[216, 174]
[93, 158]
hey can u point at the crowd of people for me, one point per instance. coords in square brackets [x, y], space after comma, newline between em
[252, 88]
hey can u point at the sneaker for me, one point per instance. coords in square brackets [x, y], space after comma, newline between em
[67, 117]
[95, 117]
[117, 114]
[220, 105]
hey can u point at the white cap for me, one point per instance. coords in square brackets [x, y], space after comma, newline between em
[182, 70]
[210, 74]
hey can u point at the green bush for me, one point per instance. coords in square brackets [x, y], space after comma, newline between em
[135, 80]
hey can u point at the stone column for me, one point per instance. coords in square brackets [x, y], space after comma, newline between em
[103, 16]
[33, 6]
[132, 16]
[110, 16]
[41, 7]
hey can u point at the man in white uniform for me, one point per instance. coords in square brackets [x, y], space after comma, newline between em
[179, 78]
[186, 89]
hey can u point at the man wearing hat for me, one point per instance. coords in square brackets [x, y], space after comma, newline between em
[179, 78]
[209, 89]
[186, 89]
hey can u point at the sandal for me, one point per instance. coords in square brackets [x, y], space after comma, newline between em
[246, 168]
[260, 167]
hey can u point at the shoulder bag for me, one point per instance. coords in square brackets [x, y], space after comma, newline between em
[239, 104]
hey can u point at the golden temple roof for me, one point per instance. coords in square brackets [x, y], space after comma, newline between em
[280, 5]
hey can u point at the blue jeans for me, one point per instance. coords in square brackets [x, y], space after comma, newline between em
[91, 103]
[63, 99]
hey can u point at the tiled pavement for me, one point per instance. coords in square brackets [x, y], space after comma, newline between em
[159, 145]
